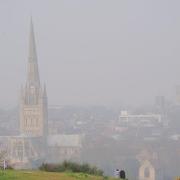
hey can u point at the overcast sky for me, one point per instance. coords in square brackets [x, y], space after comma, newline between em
[100, 52]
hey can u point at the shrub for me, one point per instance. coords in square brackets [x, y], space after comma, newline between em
[71, 167]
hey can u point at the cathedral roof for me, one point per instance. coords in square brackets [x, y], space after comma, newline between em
[64, 140]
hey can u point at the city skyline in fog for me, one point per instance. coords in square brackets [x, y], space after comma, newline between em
[92, 52]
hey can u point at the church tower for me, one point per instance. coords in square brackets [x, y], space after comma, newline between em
[33, 98]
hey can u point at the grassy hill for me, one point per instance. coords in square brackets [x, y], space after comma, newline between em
[39, 175]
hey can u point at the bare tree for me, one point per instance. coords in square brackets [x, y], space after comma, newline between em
[3, 157]
[3, 154]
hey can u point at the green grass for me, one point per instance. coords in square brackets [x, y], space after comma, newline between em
[40, 175]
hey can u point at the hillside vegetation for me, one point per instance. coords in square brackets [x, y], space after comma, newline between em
[39, 175]
[68, 166]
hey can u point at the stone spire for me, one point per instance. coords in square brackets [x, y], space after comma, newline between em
[33, 73]
[33, 104]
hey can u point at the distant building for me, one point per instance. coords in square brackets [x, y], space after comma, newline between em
[30, 145]
[145, 120]
[34, 145]
[160, 103]
[64, 147]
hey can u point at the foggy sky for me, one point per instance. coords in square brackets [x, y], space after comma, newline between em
[101, 52]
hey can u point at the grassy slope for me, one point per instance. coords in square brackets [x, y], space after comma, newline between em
[39, 175]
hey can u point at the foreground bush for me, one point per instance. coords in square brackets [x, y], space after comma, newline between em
[72, 167]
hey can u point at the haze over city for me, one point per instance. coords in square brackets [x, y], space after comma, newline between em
[90, 89]
[92, 52]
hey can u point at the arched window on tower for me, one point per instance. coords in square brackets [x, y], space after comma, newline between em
[31, 122]
[36, 122]
[146, 172]
[25, 121]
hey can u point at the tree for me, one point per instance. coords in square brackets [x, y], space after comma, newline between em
[3, 156]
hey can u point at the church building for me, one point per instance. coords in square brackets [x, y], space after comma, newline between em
[33, 145]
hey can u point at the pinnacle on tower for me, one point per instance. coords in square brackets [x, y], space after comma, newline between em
[44, 91]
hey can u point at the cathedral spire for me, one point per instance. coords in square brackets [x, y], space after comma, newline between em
[33, 104]
[33, 74]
